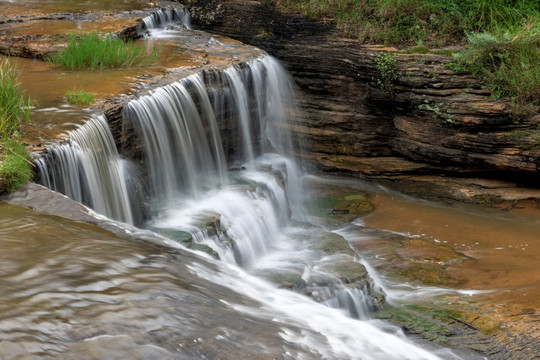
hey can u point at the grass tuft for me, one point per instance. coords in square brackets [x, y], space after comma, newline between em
[15, 106]
[79, 97]
[16, 166]
[92, 52]
[509, 62]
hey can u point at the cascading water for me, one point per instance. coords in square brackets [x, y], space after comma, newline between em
[163, 18]
[88, 169]
[250, 214]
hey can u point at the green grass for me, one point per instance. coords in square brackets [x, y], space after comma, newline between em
[93, 52]
[15, 106]
[509, 62]
[79, 97]
[503, 36]
[434, 22]
[16, 165]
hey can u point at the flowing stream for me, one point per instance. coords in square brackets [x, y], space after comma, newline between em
[217, 175]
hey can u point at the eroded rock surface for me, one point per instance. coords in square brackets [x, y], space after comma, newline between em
[435, 122]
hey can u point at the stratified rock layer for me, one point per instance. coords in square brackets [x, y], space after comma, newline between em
[435, 121]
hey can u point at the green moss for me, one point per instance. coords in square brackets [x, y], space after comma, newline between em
[349, 272]
[487, 199]
[332, 243]
[417, 50]
[428, 274]
[205, 249]
[428, 322]
[346, 208]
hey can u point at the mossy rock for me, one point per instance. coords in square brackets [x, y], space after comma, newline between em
[285, 280]
[344, 208]
[206, 249]
[210, 224]
[426, 322]
[425, 273]
[185, 238]
[349, 272]
[332, 243]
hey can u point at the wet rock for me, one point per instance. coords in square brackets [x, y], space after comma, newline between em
[339, 207]
[332, 243]
[286, 280]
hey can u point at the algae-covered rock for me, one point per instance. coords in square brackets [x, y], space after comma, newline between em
[185, 238]
[349, 272]
[332, 243]
[286, 280]
[426, 322]
[342, 208]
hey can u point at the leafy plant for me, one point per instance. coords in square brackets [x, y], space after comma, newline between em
[508, 62]
[93, 52]
[386, 65]
[76, 97]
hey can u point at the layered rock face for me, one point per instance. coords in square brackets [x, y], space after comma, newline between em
[434, 121]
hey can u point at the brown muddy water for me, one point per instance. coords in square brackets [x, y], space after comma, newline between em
[494, 251]
[504, 245]
[73, 290]
[71, 6]
[46, 84]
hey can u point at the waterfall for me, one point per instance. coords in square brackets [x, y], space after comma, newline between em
[219, 174]
[180, 126]
[163, 18]
[88, 169]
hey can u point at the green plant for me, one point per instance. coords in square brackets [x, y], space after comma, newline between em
[16, 168]
[263, 33]
[94, 52]
[15, 106]
[386, 66]
[508, 63]
[419, 22]
[76, 97]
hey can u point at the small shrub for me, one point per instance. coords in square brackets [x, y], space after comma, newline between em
[386, 65]
[93, 52]
[508, 63]
[79, 97]
[15, 106]
[16, 168]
